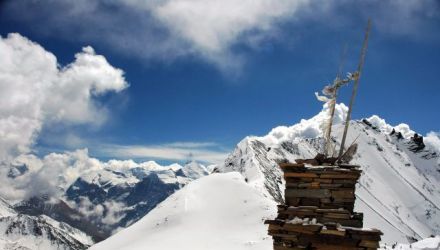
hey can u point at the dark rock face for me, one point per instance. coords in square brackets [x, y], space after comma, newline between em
[367, 122]
[290, 147]
[16, 171]
[61, 212]
[398, 135]
[239, 161]
[145, 196]
[36, 226]
[417, 143]
[81, 188]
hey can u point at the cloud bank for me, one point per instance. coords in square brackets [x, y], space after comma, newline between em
[166, 30]
[178, 151]
[37, 91]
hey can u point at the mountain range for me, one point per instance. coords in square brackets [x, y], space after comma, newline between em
[223, 207]
[95, 205]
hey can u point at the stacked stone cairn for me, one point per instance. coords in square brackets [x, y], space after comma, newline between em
[318, 210]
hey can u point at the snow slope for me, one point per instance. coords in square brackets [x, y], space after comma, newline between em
[432, 243]
[219, 211]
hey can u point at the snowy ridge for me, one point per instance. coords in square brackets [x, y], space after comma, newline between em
[219, 211]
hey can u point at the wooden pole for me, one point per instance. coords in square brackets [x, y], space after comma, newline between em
[355, 87]
[329, 149]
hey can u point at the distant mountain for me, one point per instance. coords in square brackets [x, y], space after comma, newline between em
[103, 201]
[60, 211]
[24, 232]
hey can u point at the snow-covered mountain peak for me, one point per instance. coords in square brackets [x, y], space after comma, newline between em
[31, 232]
[398, 191]
[192, 170]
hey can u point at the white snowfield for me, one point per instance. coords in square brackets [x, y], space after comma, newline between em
[219, 211]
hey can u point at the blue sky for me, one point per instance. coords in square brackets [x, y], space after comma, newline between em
[200, 82]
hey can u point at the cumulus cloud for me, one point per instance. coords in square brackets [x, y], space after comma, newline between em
[168, 29]
[383, 126]
[51, 175]
[310, 128]
[432, 140]
[37, 91]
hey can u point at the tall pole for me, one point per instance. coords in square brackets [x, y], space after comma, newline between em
[355, 87]
[338, 83]
[328, 135]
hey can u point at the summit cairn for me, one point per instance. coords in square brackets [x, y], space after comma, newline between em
[320, 192]
[318, 210]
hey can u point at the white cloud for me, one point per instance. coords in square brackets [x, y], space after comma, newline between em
[179, 151]
[168, 29]
[191, 144]
[212, 27]
[108, 213]
[432, 140]
[383, 126]
[310, 128]
[114, 212]
[163, 29]
[36, 91]
[405, 17]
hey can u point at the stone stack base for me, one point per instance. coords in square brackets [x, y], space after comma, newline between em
[318, 210]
